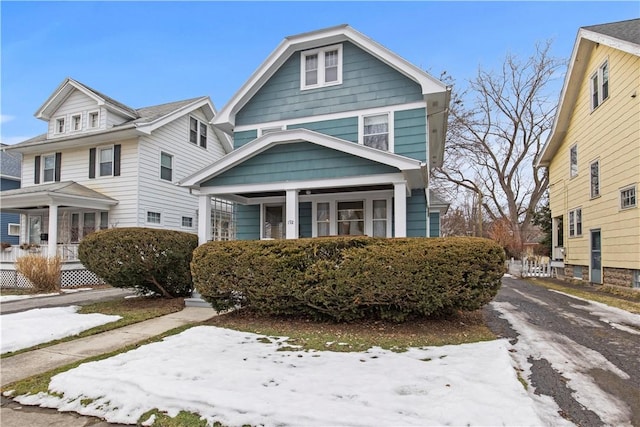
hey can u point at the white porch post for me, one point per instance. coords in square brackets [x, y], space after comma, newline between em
[292, 214]
[52, 247]
[400, 208]
[204, 218]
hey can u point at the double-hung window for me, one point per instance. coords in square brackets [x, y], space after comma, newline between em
[321, 67]
[351, 218]
[49, 168]
[166, 166]
[94, 119]
[600, 85]
[60, 128]
[105, 161]
[575, 222]
[197, 132]
[628, 198]
[573, 161]
[595, 179]
[76, 122]
[375, 131]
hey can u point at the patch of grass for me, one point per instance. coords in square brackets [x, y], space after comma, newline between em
[132, 310]
[18, 291]
[599, 294]
[345, 337]
[522, 380]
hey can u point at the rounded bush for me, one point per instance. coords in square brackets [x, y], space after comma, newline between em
[142, 258]
[346, 279]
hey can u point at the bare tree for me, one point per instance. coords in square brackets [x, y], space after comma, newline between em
[491, 147]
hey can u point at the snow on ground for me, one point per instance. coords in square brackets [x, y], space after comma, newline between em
[572, 360]
[7, 298]
[237, 378]
[32, 327]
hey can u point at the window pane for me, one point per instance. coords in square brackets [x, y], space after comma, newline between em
[187, 221]
[331, 66]
[165, 160]
[594, 88]
[351, 218]
[75, 227]
[323, 229]
[311, 69]
[595, 179]
[376, 132]
[379, 209]
[193, 130]
[49, 168]
[380, 228]
[153, 217]
[89, 223]
[203, 135]
[273, 222]
[578, 222]
[322, 218]
[605, 81]
[104, 220]
[574, 161]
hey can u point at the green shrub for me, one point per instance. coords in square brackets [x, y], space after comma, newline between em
[142, 258]
[43, 272]
[346, 279]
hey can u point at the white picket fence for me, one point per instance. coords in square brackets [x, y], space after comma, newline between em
[530, 268]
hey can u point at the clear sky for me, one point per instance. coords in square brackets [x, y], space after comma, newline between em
[148, 53]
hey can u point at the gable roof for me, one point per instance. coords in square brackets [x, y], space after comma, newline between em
[265, 142]
[66, 193]
[431, 87]
[141, 120]
[10, 164]
[624, 36]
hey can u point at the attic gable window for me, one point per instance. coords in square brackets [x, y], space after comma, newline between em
[60, 128]
[600, 85]
[94, 119]
[197, 132]
[321, 67]
[76, 122]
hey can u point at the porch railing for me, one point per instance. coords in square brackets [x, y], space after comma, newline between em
[68, 252]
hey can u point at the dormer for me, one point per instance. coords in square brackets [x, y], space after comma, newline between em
[75, 109]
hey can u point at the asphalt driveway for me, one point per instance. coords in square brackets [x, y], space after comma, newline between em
[586, 356]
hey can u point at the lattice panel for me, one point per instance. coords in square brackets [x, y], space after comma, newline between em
[70, 279]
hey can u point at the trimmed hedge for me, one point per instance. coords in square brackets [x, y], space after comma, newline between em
[142, 258]
[346, 279]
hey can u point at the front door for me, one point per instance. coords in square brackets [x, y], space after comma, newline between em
[596, 257]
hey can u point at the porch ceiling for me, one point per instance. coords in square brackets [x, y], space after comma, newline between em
[61, 194]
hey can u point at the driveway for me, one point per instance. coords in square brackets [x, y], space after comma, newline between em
[583, 355]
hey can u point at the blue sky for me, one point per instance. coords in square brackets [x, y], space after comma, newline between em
[147, 53]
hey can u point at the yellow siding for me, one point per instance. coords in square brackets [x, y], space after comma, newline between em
[610, 134]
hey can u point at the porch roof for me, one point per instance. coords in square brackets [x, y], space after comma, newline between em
[61, 194]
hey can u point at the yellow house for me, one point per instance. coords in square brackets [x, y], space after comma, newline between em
[593, 158]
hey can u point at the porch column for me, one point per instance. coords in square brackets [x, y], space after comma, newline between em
[400, 208]
[292, 214]
[52, 247]
[204, 218]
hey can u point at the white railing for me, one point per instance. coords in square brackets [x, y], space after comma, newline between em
[536, 269]
[68, 252]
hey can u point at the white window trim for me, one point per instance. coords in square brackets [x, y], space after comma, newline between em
[182, 217]
[146, 217]
[333, 200]
[575, 223]
[321, 69]
[89, 114]
[571, 174]
[591, 195]
[628, 187]
[98, 151]
[13, 225]
[57, 120]
[599, 75]
[72, 122]
[160, 166]
[391, 118]
[42, 167]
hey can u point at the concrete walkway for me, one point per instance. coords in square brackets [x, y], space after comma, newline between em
[35, 362]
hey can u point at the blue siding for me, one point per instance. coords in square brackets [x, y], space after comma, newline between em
[304, 219]
[366, 83]
[241, 138]
[434, 224]
[248, 222]
[346, 128]
[6, 218]
[410, 133]
[298, 161]
[417, 214]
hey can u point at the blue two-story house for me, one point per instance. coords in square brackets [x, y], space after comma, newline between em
[333, 135]
[10, 178]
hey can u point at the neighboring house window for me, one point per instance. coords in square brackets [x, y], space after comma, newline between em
[573, 161]
[59, 125]
[94, 119]
[106, 161]
[76, 122]
[104, 220]
[197, 132]
[48, 171]
[166, 166]
[600, 85]
[375, 131]
[13, 229]
[628, 197]
[187, 221]
[351, 218]
[595, 179]
[321, 67]
[154, 217]
[575, 222]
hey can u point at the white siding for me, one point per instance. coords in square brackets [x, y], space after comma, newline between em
[158, 195]
[76, 103]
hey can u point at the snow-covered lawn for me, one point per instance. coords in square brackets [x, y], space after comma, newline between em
[241, 378]
[32, 327]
